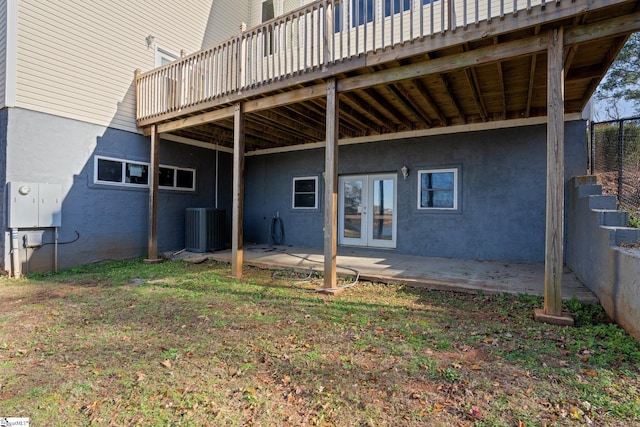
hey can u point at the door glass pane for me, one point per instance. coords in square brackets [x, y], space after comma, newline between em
[352, 220]
[383, 209]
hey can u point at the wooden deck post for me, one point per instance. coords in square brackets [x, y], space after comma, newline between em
[554, 236]
[331, 190]
[238, 191]
[152, 256]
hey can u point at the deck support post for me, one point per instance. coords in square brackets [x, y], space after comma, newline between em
[238, 191]
[154, 161]
[554, 235]
[331, 191]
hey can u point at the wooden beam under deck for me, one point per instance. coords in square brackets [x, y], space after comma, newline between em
[331, 189]
[237, 216]
[152, 255]
[554, 236]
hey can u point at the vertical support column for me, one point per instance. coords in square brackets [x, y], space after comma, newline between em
[238, 191]
[153, 196]
[331, 189]
[554, 236]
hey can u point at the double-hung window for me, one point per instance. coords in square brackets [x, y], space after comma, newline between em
[305, 192]
[438, 189]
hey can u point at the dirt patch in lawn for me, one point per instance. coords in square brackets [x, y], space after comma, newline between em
[183, 344]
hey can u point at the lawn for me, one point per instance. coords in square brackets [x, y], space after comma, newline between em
[125, 343]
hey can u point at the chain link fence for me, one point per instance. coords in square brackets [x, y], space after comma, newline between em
[615, 161]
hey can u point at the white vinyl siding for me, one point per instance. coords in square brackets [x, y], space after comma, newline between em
[76, 59]
[225, 19]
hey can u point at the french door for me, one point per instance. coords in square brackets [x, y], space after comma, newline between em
[367, 210]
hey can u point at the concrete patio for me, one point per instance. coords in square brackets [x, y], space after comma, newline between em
[390, 267]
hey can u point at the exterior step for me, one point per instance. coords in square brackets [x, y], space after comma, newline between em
[585, 180]
[612, 218]
[602, 202]
[627, 235]
[589, 190]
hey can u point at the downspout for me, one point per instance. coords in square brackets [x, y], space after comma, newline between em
[15, 253]
[55, 250]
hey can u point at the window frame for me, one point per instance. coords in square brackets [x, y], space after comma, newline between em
[455, 189]
[293, 192]
[175, 187]
[123, 176]
[164, 53]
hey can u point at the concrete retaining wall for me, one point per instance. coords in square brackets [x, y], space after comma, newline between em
[595, 233]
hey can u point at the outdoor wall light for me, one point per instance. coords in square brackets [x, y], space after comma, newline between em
[405, 172]
[149, 39]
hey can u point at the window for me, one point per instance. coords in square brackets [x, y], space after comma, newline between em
[406, 4]
[172, 177]
[112, 171]
[337, 17]
[305, 192]
[268, 13]
[164, 56]
[438, 189]
[361, 12]
[123, 172]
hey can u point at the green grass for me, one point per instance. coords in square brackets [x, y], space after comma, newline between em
[126, 343]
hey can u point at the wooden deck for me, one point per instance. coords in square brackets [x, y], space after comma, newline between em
[389, 267]
[432, 66]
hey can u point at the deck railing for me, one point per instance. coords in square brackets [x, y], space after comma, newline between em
[311, 37]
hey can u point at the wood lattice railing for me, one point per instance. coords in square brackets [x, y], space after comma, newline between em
[310, 38]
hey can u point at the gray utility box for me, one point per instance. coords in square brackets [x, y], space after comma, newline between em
[34, 205]
[204, 229]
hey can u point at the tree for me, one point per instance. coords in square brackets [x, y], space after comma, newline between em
[622, 82]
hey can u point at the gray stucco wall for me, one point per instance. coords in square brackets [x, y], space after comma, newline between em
[111, 220]
[502, 191]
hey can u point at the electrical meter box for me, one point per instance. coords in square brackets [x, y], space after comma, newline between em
[34, 205]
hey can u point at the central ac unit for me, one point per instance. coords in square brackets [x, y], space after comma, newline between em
[204, 229]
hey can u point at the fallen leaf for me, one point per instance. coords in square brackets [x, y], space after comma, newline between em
[437, 408]
[476, 367]
[475, 412]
